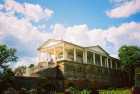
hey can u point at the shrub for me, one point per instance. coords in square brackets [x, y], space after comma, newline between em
[73, 90]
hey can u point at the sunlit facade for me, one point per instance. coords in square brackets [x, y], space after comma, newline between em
[53, 51]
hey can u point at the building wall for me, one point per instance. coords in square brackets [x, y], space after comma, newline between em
[98, 76]
[85, 75]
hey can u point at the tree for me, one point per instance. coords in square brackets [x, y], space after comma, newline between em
[129, 55]
[31, 66]
[7, 55]
[6, 79]
[20, 71]
[8, 74]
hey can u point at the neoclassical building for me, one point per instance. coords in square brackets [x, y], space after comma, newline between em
[59, 50]
[81, 66]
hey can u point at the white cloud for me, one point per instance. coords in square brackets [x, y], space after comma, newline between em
[125, 9]
[31, 11]
[58, 31]
[27, 36]
[22, 29]
[119, 1]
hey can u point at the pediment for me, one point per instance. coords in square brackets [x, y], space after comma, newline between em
[50, 43]
[98, 49]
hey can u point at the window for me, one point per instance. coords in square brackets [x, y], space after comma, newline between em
[103, 61]
[79, 55]
[97, 59]
[70, 53]
[90, 57]
[114, 64]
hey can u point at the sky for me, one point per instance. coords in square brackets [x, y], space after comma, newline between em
[26, 24]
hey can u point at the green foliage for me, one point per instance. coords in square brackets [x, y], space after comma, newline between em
[74, 90]
[31, 65]
[7, 74]
[7, 55]
[129, 54]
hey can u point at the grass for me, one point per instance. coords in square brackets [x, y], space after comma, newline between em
[117, 91]
[113, 91]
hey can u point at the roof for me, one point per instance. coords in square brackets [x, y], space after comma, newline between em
[96, 48]
[54, 40]
[46, 42]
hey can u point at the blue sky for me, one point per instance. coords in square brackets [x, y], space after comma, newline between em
[91, 12]
[26, 24]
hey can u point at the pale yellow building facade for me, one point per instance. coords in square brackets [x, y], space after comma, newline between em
[57, 50]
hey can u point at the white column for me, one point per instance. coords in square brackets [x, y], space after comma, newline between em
[111, 63]
[107, 63]
[101, 60]
[74, 54]
[85, 56]
[94, 58]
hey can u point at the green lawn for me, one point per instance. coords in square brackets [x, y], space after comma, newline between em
[117, 91]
